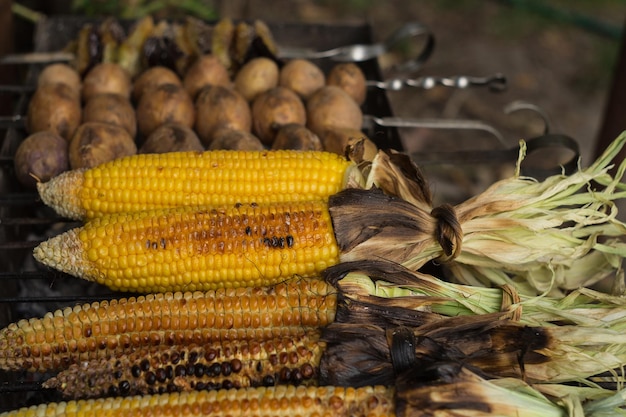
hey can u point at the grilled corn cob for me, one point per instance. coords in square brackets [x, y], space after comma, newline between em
[113, 328]
[191, 248]
[285, 400]
[229, 364]
[149, 181]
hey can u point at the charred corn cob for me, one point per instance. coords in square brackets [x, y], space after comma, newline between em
[285, 400]
[229, 364]
[191, 248]
[149, 181]
[113, 328]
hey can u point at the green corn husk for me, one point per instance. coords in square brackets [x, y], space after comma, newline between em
[541, 237]
[388, 284]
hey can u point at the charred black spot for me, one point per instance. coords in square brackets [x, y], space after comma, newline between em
[124, 387]
[135, 371]
[248, 231]
[289, 241]
[269, 381]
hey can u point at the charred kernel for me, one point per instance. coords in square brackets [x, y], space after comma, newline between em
[215, 369]
[284, 375]
[117, 374]
[113, 391]
[236, 365]
[281, 242]
[193, 356]
[124, 387]
[296, 376]
[227, 384]
[289, 241]
[267, 241]
[200, 386]
[283, 358]
[210, 355]
[161, 390]
[307, 371]
[199, 370]
[269, 381]
[171, 387]
[144, 365]
[169, 372]
[150, 378]
[175, 358]
[226, 368]
[259, 367]
[275, 242]
[180, 370]
[135, 371]
[190, 369]
[212, 385]
[248, 231]
[273, 359]
[160, 375]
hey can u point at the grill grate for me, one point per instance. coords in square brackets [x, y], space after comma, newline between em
[28, 289]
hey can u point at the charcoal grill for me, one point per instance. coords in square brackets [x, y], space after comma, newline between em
[28, 289]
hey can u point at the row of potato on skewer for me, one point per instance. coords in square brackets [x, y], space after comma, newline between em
[77, 122]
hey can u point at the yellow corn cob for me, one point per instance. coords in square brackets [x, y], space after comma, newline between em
[114, 328]
[191, 248]
[227, 364]
[149, 181]
[284, 400]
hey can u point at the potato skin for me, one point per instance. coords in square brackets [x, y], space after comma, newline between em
[207, 70]
[255, 77]
[220, 107]
[274, 108]
[113, 109]
[298, 137]
[151, 78]
[39, 157]
[171, 137]
[60, 73]
[302, 76]
[167, 103]
[95, 143]
[330, 107]
[237, 140]
[349, 77]
[107, 77]
[54, 107]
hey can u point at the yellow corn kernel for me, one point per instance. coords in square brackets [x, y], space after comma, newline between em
[197, 249]
[149, 181]
[223, 364]
[284, 400]
[117, 327]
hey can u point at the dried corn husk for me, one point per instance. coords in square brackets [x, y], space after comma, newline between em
[550, 236]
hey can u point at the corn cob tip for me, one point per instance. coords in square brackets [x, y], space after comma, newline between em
[61, 194]
[65, 253]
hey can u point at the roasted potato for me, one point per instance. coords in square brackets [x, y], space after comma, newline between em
[237, 140]
[54, 107]
[171, 137]
[255, 77]
[296, 136]
[113, 109]
[95, 143]
[349, 77]
[107, 77]
[302, 76]
[330, 107]
[167, 103]
[153, 77]
[220, 107]
[39, 157]
[274, 108]
[207, 70]
[60, 73]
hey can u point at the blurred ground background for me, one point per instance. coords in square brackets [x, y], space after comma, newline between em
[559, 55]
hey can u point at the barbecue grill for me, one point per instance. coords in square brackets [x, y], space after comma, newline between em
[29, 290]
